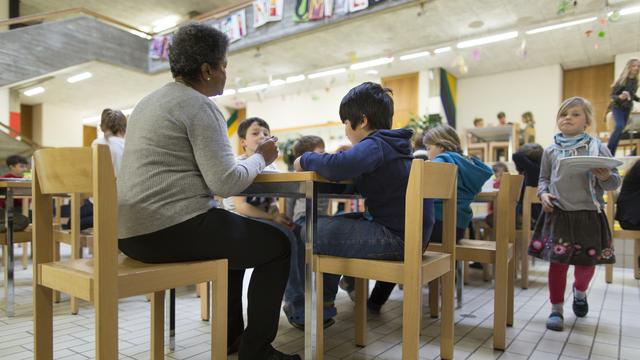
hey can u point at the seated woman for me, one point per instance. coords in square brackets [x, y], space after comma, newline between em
[177, 157]
[628, 212]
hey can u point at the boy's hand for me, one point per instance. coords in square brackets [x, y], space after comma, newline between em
[296, 164]
[603, 174]
[547, 205]
[282, 220]
[268, 150]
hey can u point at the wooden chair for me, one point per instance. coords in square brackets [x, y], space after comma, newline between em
[499, 252]
[71, 237]
[107, 277]
[617, 233]
[480, 150]
[496, 146]
[530, 198]
[426, 181]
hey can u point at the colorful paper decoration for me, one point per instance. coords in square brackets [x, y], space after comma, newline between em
[234, 26]
[588, 33]
[522, 50]
[328, 8]
[159, 48]
[615, 16]
[316, 9]
[275, 8]
[357, 5]
[601, 34]
[260, 13]
[475, 54]
[566, 5]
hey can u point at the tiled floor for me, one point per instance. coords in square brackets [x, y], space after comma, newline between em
[610, 331]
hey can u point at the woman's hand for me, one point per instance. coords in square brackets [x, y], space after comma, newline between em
[547, 204]
[296, 164]
[603, 174]
[624, 95]
[268, 150]
[282, 220]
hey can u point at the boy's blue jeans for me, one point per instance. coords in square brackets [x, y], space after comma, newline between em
[348, 235]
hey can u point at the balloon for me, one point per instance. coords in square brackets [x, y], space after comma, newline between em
[615, 16]
[588, 33]
[601, 34]
[475, 54]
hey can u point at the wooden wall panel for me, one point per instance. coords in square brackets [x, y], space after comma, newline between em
[405, 97]
[593, 83]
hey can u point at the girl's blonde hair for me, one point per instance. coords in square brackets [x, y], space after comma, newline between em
[444, 136]
[577, 101]
[527, 118]
[624, 75]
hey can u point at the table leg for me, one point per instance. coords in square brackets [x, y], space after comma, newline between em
[172, 319]
[9, 284]
[310, 300]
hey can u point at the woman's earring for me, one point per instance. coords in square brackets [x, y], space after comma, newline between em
[208, 79]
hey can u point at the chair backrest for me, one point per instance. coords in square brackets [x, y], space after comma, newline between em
[77, 170]
[429, 180]
[505, 219]
[610, 209]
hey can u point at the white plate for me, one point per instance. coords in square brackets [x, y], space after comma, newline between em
[579, 164]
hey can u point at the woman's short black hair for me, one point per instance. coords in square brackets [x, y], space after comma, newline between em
[370, 100]
[194, 45]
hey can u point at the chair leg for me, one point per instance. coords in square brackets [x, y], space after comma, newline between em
[362, 294]
[510, 290]
[434, 298]
[25, 256]
[447, 322]
[42, 322]
[205, 299]
[56, 257]
[500, 304]
[524, 266]
[106, 315]
[411, 310]
[459, 284]
[219, 313]
[486, 272]
[76, 253]
[466, 273]
[608, 274]
[320, 313]
[157, 325]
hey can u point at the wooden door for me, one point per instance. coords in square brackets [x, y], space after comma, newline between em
[89, 133]
[405, 97]
[594, 84]
[26, 121]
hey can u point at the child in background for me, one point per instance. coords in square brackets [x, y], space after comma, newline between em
[573, 229]
[252, 132]
[308, 143]
[17, 165]
[498, 168]
[419, 150]
[527, 160]
[443, 145]
[379, 164]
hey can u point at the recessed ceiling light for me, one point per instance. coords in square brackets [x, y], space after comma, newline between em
[277, 82]
[79, 77]
[326, 73]
[253, 88]
[476, 24]
[371, 72]
[371, 63]
[295, 78]
[442, 50]
[487, 40]
[34, 91]
[561, 25]
[415, 55]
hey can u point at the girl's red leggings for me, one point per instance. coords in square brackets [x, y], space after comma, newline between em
[558, 280]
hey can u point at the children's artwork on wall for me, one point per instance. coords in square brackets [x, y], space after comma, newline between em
[159, 48]
[275, 8]
[341, 7]
[357, 5]
[260, 13]
[328, 8]
[234, 26]
[316, 9]
[301, 11]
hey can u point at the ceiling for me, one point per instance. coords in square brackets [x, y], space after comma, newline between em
[441, 23]
[139, 13]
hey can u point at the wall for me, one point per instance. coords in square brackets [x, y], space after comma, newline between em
[60, 126]
[621, 61]
[538, 90]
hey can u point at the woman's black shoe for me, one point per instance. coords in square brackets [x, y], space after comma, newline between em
[277, 355]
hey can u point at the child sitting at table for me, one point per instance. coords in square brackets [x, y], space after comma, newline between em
[443, 145]
[527, 160]
[379, 164]
[17, 165]
[251, 132]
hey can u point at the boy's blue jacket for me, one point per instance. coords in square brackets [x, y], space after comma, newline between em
[379, 166]
[472, 174]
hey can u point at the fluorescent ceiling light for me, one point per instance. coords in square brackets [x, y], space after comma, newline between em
[561, 25]
[371, 63]
[415, 55]
[326, 73]
[442, 50]
[79, 77]
[277, 82]
[34, 91]
[165, 23]
[227, 92]
[253, 88]
[372, 72]
[630, 10]
[487, 40]
[295, 78]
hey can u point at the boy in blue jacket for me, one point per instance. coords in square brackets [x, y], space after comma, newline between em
[378, 163]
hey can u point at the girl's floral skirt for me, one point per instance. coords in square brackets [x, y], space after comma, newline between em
[573, 237]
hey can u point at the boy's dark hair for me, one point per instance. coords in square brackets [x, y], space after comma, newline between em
[476, 121]
[307, 143]
[14, 160]
[500, 166]
[246, 124]
[532, 151]
[370, 100]
[501, 114]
